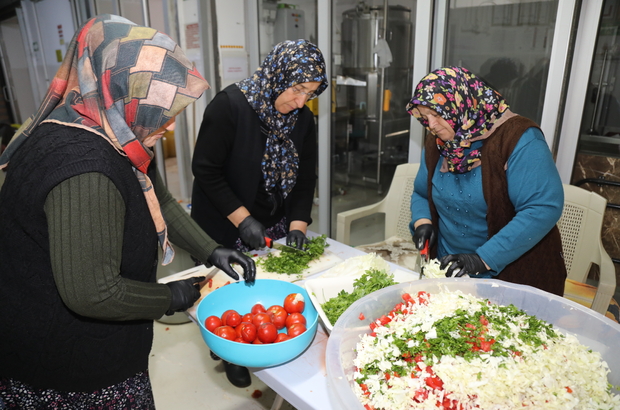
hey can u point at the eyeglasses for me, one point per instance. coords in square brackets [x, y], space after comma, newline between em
[299, 91]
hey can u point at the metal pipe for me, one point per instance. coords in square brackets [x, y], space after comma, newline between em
[598, 93]
[381, 98]
[324, 18]
[145, 13]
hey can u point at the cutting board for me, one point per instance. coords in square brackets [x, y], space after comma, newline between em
[326, 261]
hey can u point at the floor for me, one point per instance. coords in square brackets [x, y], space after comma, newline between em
[182, 372]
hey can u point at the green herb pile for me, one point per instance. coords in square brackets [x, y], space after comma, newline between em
[292, 262]
[369, 282]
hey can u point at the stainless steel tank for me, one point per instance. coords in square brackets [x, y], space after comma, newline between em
[378, 124]
[361, 28]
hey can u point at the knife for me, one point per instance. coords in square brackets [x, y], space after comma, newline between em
[277, 245]
[423, 254]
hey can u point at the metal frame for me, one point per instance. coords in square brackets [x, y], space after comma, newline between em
[585, 42]
[324, 35]
[252, 33]
[421, 64]
[558, 66]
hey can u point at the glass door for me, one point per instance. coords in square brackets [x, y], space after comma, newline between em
[509, 45]
[600, 125]
[372, 67]
[596, 164]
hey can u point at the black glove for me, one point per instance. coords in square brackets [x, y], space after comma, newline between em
[252, 233]
[297, 239]
[461, 264]
[423, 233]
[184, 294]
[224, 257]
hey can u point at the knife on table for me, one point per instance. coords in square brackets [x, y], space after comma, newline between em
[277, 245]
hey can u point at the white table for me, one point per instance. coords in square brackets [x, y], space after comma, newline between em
[303, 381]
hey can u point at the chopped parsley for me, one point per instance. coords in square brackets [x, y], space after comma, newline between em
[371, 281]
[292, 262]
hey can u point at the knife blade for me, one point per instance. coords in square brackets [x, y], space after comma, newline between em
[277, 245]
[423, 258]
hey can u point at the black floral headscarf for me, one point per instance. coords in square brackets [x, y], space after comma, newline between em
[467, 103]
[289, 63]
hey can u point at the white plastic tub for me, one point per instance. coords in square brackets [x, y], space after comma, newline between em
[591, 328]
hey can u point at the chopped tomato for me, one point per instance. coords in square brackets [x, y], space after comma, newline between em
[434, 383]
[384, 320]
[361, 316]
[420, 395]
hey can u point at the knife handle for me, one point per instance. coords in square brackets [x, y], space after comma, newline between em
[268, 242]
[424, 250]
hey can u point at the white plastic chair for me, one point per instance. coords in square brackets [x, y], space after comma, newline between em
[580, 228]
[395, 206]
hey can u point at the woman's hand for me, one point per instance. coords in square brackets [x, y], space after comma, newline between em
[224, 257]
[297, 239]
[463, 263]
[184, 293]
[423, 233]
[252, 233]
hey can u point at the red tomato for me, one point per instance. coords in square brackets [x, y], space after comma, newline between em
[267, 333]
[212, 322]
[226, 332]
[295, 318]
[279, 316]
[296, 329]
[258, 308]
[257, 342]
[231, 318]
[240, 340]
[246, 331]
[261, 318]
[294, 303]
[281, 337]
[247, 317]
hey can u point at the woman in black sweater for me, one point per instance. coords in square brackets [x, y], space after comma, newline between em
[82, 211]
[255, 158]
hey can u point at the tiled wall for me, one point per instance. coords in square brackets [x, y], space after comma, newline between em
[608, 168]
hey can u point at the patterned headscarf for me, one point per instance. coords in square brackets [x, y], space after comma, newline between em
[289, 63]
[469, 105]
[122, 82]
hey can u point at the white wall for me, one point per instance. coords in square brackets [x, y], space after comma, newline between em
[231, 41]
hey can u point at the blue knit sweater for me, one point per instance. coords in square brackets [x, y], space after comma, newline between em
[534, 188]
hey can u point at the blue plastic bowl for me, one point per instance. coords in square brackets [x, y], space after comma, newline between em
[242, 297]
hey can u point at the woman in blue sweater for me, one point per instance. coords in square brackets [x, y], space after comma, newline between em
[488, 195]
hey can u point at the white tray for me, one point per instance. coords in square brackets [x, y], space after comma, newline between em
[321, 290]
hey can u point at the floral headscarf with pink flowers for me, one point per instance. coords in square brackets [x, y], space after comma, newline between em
[467, 103]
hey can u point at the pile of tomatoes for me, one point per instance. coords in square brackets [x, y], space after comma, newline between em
[261, 326]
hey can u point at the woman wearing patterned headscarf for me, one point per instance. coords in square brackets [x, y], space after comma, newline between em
[488, 195]
[255, 158]
[82, 210]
